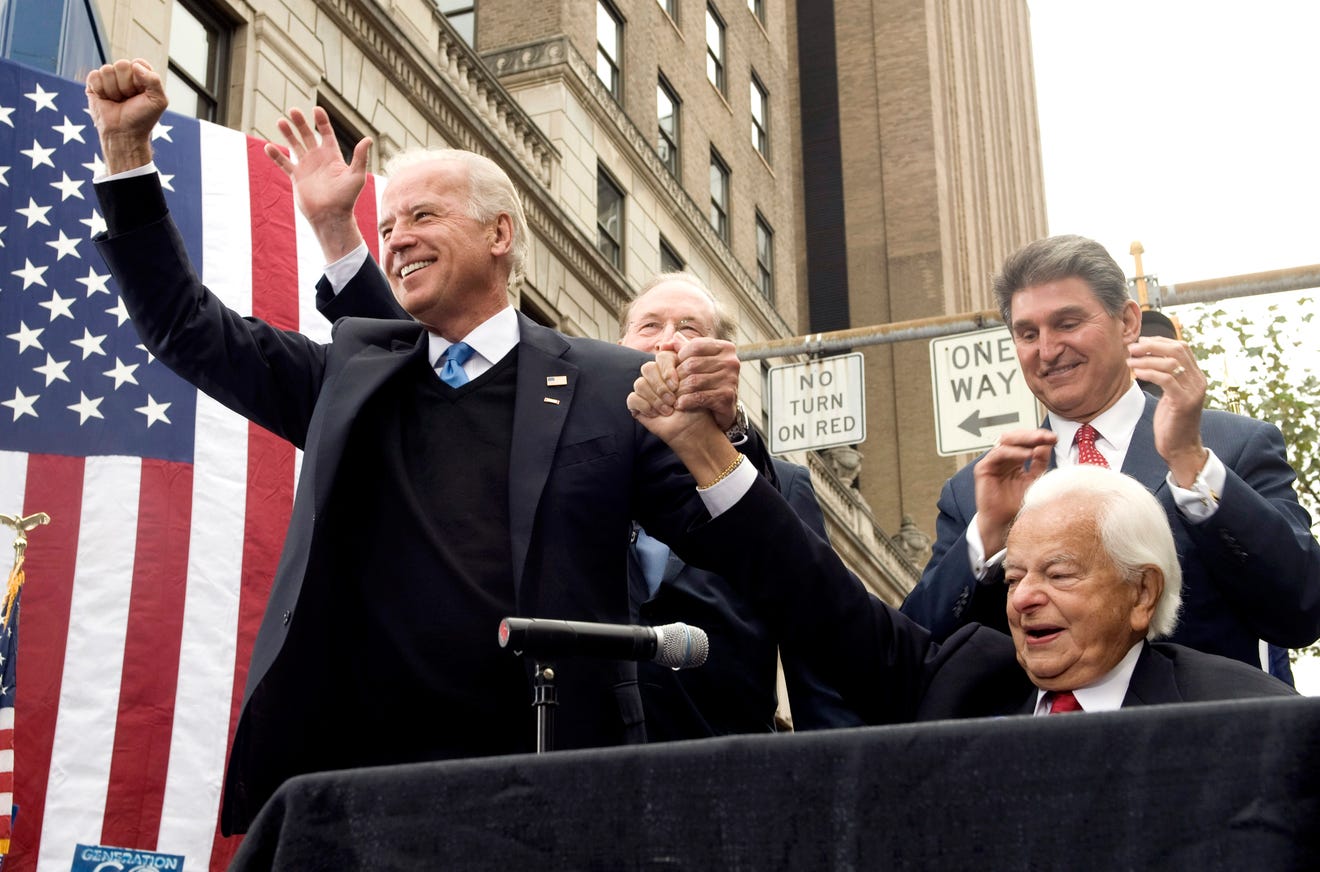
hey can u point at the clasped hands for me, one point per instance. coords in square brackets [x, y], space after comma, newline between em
[689, 391]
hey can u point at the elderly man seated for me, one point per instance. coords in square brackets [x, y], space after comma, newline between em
[1092, 573]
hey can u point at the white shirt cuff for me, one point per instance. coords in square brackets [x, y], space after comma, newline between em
[1199, 502]
[146, 169]
[341, 272]
[723, 494]
[981, 565]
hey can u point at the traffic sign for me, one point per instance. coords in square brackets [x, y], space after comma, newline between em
[979, 390]
[817, 404]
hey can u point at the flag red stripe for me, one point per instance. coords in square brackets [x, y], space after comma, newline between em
[365, 212]
[136, 791]
[270, 459]
[54, 486]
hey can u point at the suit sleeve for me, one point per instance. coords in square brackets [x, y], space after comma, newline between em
[367, 295]
[873, 656]
[1258, 545]
[948, 596]
[815, 704]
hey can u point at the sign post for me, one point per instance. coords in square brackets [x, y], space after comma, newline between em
[817, 404]
[979, 390]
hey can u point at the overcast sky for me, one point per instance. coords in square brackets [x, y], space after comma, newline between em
[1189, 126]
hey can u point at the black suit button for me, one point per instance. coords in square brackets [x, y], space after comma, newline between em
[288, 616]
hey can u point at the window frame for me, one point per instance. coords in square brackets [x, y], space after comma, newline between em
[716, 74]
[220, 33]
[677, 264]
[605, 178]
[765, 267]
[615, 61]
[718, 164]
[674, 163]
[460, 10]
[760, 97]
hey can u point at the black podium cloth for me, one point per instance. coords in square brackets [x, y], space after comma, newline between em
[1200, 786]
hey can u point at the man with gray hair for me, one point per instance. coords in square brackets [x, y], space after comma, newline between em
[461, 466]
[1092, 578]
[1250, 564]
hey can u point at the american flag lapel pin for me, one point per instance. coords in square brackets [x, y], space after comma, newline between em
[556, 381]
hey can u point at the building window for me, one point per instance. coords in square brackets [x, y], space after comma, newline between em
[669, 259]
[757, 8]
[765, 258]
[609, 43]
[609, 218]
[462, 16]
[666, 107]
[760, 118]
[198, 65]
[671, 9]
[715, 48]
[719, 195]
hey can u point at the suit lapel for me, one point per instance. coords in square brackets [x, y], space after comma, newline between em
[1143, 462]
[537, 426]
[1153, 681]
[344, 395]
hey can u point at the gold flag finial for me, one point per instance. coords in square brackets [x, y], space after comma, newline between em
[21, 527]
[1136, 249]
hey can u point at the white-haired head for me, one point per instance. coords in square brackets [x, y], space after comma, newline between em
[1132, 525]
[490, 192]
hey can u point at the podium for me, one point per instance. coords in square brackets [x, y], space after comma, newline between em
[1206, 786]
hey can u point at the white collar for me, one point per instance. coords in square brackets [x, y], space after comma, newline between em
[1107, 694]
[491, 339]
[1115, 426]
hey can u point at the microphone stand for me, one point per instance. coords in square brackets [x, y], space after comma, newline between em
[544, 700]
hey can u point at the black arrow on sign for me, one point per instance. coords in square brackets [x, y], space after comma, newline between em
[975, 422]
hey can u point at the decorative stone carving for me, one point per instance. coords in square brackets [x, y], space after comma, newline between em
[846, 463]
[912, 542]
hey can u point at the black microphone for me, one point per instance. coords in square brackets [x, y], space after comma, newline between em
[677, 646]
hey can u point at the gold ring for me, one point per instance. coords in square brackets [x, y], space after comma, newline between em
[1178, 370]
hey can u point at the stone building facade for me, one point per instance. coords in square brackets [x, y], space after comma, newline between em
[818, 165]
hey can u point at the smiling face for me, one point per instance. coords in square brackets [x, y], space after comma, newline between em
[670, 307]
[1072, 614]
[1072, 352]
[447, 270]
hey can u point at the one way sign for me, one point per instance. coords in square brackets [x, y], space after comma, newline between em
[979, 390]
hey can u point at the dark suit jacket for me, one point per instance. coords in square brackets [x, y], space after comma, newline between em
[735, 690]
[577, 472]
[890, 669]
[1250, 572]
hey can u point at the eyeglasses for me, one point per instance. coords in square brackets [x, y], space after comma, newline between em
[650, 327]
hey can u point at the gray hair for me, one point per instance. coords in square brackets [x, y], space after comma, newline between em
[1061, 257]
[490, 193]
[724, 325]
[1132, 525]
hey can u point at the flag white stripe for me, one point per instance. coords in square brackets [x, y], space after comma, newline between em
[89, 689]
[215, 551]
[13, 483]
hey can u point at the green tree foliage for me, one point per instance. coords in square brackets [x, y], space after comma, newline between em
[1260, 363]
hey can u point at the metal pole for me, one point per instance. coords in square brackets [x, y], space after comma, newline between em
[1206, 291]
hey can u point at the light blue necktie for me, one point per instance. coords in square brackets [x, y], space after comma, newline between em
[452, 372]
[653, 555]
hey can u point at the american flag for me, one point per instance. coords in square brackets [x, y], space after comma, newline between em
[8, 647]
[168, 511]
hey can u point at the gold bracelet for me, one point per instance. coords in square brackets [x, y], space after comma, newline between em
[728, 470]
